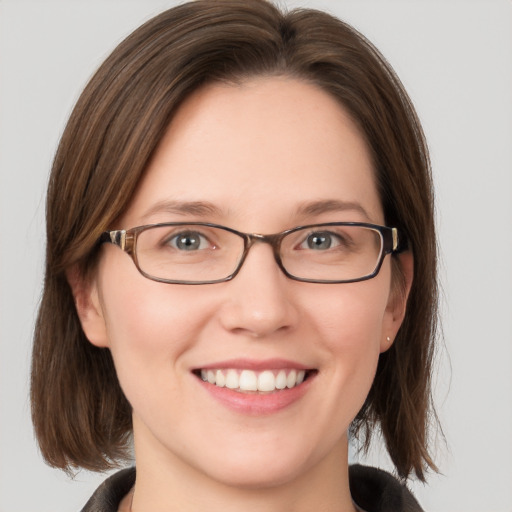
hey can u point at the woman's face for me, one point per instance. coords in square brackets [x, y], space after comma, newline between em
[271, 154]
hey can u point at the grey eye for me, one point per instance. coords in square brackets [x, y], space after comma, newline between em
[189, 241]
[321, 241]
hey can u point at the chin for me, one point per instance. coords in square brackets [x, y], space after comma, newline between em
[257, 477]
[263, 465]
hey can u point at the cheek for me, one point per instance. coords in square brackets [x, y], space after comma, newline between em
[352, 317]
[350, 324]
[149, 327]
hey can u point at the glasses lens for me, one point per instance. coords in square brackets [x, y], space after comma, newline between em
[332, 253]
[188, 253]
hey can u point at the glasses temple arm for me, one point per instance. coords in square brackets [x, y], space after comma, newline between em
[400, 242]
[116, 237]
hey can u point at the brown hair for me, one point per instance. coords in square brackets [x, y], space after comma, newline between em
[81, 417]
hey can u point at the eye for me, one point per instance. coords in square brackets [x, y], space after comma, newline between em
[189, 241]
[320, 241]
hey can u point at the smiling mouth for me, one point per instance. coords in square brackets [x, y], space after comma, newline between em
[249, 381]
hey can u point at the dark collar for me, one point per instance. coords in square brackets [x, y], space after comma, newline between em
[109, 494]
[375, 490]
[372, 489]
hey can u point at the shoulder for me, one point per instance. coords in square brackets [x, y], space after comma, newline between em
[109, 494]
[375, 490]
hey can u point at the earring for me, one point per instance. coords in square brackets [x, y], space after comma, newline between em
[388, 339]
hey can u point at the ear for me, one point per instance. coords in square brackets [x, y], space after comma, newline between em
[403, 273]
[88, 306]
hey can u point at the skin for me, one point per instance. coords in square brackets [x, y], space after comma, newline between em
[257, 152]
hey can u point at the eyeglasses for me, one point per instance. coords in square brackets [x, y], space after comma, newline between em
[204, 253]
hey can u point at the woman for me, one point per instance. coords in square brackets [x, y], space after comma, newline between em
[268, 179]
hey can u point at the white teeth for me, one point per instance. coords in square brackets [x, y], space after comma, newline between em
[281, 380]
[291, 379]
[232, 380]
[220, 379]
[248, 380]
[266, 381]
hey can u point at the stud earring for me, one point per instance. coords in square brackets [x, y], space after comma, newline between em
[388, 339]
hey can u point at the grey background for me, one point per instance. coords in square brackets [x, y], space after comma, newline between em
[455, 59]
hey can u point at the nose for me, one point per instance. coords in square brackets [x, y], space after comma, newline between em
[259, 299]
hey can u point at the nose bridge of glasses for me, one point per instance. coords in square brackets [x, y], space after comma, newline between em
[273, 240]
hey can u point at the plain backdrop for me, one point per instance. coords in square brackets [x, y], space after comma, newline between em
[455, 59]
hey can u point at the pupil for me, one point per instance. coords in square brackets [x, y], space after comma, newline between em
[319, 241]
[188, 242]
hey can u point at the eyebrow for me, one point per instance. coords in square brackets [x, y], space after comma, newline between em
[207, 209]
[199, 208]
[330, 205]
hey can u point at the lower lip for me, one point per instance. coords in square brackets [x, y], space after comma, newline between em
[257, 404]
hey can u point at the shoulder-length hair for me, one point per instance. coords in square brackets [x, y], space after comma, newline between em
[81, 417]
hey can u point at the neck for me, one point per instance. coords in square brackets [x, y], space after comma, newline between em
[166, 483]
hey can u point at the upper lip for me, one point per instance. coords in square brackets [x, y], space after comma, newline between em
[255, 364]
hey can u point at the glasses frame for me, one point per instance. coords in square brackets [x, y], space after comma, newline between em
[126, 240]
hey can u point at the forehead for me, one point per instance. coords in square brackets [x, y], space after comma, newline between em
[257, 152]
